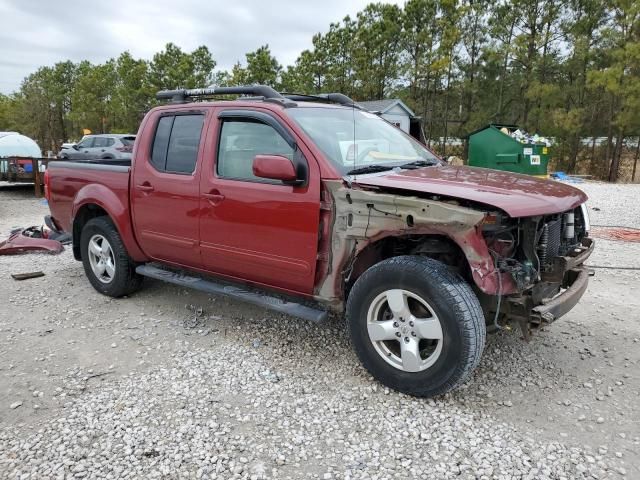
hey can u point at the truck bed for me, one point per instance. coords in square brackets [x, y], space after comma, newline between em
[74, 181]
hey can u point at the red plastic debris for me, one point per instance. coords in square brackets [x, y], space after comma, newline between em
[615, 233]
[24, 241]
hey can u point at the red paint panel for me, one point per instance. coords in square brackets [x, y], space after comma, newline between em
[483, 270]
[165, 205]
[71, 189]
[518, 195]
[260, 232]
[18, 243]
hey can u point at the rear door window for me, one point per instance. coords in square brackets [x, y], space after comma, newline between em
[100, 142]
[175, 146]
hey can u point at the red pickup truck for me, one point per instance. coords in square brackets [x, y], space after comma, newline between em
[308, 205]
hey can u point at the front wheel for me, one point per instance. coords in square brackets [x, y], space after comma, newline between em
[105, 259]
[416, 326]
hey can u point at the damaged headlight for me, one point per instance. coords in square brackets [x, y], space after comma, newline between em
[585, 217]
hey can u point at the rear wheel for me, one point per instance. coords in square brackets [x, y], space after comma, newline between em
[416, 326]
[106, 262]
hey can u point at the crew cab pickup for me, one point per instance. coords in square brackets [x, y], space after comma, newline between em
[308, 205]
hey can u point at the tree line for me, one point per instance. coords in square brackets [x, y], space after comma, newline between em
[568, 70]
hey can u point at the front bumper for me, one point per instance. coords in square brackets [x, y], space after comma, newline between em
[565, 301]
[562, 265]
[570, 275]
[573, 275]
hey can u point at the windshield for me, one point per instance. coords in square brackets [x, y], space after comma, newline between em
[377, 142]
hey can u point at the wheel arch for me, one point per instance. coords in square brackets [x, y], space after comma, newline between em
[439, 247]
[85, 213]
[95, 201]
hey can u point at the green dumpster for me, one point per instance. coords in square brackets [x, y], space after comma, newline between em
[505, 147]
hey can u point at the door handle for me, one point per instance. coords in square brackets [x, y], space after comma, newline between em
[214, 197]
[145, 187]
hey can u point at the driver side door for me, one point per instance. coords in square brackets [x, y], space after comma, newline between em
[252, 228]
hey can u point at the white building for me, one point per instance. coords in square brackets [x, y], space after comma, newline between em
[394, 111]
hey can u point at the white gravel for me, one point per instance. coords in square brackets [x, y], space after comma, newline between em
[143, 387]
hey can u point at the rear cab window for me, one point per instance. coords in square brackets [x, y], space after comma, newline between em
[176, 143]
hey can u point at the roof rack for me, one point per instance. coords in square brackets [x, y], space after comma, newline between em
[339, 98]
[181, 96]
[256, 92]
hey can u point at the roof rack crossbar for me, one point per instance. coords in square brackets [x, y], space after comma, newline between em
[339, 98]
[180, 96]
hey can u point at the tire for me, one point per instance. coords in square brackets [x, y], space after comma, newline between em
[414, 355]
[119, 271]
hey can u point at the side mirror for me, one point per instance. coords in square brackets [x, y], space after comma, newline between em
[75, 146]
[274, 167]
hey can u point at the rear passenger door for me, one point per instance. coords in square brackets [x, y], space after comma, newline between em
[165, 188]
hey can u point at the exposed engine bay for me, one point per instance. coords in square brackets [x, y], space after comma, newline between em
[527, 247]
[537, 253]
[523, 269]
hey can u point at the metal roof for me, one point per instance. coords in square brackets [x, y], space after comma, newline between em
[382, 106]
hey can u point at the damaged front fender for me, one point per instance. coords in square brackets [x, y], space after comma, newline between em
[359, 217]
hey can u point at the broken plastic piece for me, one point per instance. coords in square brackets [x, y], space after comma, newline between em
[29, 240]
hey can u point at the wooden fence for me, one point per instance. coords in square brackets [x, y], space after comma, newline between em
[25, 170]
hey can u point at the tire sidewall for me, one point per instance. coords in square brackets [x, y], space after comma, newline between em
[104, 227]
[387, 276]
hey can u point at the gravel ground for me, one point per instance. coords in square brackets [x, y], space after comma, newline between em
[172, 383]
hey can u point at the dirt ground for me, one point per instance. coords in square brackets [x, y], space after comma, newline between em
[287, 399]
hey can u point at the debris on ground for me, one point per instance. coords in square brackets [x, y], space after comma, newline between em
[563, 177]
[194, 320]
[198, 319]
[616, 233]
[31, 239]
[26, 276]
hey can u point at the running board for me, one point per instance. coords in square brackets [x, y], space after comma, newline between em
[267, 301]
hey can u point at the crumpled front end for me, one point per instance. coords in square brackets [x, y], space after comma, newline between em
[544, 257]
[529, 270]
